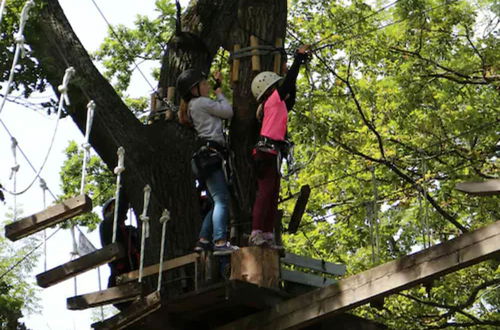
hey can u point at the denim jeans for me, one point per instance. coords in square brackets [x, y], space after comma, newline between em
[215, 223]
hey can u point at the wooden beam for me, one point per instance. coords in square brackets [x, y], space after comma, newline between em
[314, 264]
[73, 268]
[381, 281]
[49, 217]
[113, 295]
[137, 311]
[235, 73]
[257, 265]
[305, 279]
[485, 188]
[154, 269]
[299, 209]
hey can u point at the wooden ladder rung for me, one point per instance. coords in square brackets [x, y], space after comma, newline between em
[113, 295]
[154, 269]
[48, 217]
[137, 311]
[485, 188]
[73, 268]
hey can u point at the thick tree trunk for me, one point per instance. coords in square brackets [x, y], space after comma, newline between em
[160, 154]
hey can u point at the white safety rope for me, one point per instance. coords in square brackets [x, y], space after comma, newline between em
[13, 173]
[118, 171]
[19, 38]
[86, 145]
[44, 187]
[63, 88]
[165, 217]
[375, 212]
[2, 7]
[145, 227]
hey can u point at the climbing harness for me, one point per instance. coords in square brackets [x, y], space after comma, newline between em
[164, 219]
[19, 38]
[118, 171]
[145, 227]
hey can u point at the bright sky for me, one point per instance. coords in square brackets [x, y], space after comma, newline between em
[33, 131]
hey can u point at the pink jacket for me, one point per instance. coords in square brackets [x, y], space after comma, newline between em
[275, 119]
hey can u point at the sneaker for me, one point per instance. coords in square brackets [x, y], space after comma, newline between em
[225, 249]
[257, 239]
[203, 246]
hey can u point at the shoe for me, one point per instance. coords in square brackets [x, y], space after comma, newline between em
[225, 249]
[271, 243]
[257, 239]
[203, 246]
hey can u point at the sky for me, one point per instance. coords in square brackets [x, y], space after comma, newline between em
[33, 131]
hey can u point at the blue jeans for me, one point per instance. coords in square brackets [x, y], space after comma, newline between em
[215, 222]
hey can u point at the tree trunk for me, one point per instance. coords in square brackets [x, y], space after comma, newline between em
[159, 154]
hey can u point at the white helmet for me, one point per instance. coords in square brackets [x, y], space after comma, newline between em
[262, 82]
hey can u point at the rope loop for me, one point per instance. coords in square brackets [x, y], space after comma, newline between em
[121, 159]
[165, 217]
[63, 88]
[144, 217]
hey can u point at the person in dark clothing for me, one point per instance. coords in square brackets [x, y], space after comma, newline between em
[276, 97]
[127, 236]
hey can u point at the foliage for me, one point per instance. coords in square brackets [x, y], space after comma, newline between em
[99, 185]
[16, 293]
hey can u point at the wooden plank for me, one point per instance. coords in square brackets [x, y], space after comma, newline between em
[154, 269]
[299, 209]
[254, 42]
[49, 217]
[257, 265]
[485, 188]
[137, 311]
[113, 295]
[306, 279]
[73, 268]
[314, 264]
[381, 281]
[235, 73]
[277, 56]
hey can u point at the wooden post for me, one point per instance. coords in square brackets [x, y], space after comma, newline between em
[277, 57]
[256, 265]
[254, 42]
[49, 217]
[235, 73]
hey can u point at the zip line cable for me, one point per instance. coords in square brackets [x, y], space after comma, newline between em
[19, 38]
[11, 268]
[63, 99]
[362, 19]
[130, 57]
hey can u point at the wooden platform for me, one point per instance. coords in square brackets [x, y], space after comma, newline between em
[49, 217]
[73, 268]
[485, 188]
[113, 295]
[461, 252]
[136, 312]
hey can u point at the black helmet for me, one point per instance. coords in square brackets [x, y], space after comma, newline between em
[187, 80]
[107, 205]
[122, 210]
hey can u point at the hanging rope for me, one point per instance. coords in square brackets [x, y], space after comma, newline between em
[375, 212]
[2, 7]
[165, 217]
[13, 173]
[425, 221]
[44, 187]
[118, 171]
[19, 38]
[86, 145]
[64, 99]
[145, 227]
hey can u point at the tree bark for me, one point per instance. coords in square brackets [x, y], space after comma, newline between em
[159, 154]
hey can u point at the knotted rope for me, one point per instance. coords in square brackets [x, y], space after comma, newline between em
[165, 217]
[118, 171]
[145, 227]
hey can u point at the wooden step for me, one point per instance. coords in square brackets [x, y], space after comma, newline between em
[49, 217]
[73, 268]
[305, 278]
[113, 295]
[137, 311]
[154, 269]
[485, 188]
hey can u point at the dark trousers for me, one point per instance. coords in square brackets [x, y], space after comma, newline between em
[265, 208]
